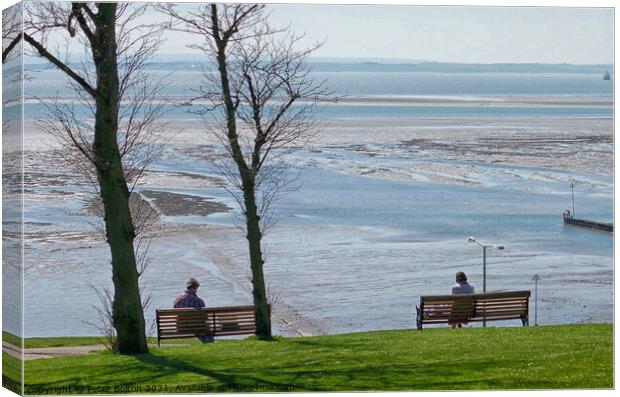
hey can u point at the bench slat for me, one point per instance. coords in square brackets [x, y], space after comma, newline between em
[480, 319]
[499, 313]
[235, 322]
[185, 321]
[229, 309]
[184, 331]
[471, 320]
[203, 316]
[234, 327]
[238, 332]
[184, 326]
[223, 314]
[488, 295]
[499, 307]
[234, 318]
[249, 308]
[180, 336]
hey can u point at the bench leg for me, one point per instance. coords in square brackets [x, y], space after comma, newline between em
[525, 321]
[418, 318]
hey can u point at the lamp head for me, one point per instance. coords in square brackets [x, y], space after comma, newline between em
[471, 239]
[499, 247]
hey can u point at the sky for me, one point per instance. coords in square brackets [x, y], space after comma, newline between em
[448, 33]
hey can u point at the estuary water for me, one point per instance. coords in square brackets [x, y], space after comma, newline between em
[406, 167]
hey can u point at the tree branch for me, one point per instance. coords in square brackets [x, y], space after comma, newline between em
[62, 66]
[89, 11]
[76, 10]
[9, 48]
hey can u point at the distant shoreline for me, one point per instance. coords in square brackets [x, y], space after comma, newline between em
[182, 63]
[500, 101]
[489, 101]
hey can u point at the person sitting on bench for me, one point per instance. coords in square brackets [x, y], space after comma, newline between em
[461, 287]
[190, 299]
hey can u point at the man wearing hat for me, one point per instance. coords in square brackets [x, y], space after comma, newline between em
[190, 299]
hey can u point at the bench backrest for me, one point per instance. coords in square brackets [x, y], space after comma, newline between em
[182, 323]
[502, 305]
[211, 321]
[475, 307]
[235, 320]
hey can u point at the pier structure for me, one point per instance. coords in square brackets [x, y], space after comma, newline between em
[588, 224]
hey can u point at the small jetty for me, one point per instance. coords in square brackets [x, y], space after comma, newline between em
[588, 224]
[569, 218]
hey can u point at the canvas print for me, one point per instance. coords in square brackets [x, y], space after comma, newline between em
[222, 197]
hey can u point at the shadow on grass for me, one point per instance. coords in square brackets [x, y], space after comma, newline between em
[326, 375]
[172, 366]
[324, 365]
[320, 375]
[264, 338]
[150, 369]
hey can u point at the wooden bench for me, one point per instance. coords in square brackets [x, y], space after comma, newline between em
[441, 309]
[210, 321]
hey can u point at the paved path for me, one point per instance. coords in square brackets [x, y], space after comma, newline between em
[49, 352]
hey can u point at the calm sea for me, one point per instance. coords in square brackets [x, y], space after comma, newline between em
[491, 88]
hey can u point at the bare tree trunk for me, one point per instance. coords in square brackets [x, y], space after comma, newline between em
[127, 309]
[254, 236]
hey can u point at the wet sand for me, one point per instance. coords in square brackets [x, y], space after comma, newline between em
[195, 237]
[486, 101]
[174, 204]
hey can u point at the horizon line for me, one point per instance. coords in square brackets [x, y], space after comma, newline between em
[402, 61]
[378, 60]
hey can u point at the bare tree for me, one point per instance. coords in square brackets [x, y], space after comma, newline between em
[11, 50]
[11, 31]
[266, 96]
[111, 142]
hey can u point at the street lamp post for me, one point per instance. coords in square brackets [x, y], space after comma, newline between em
[572, 192]
[484, 268]
[536, 279]
[472, 239]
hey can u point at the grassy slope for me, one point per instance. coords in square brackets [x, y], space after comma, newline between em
[11, 373]
[575, 356]
[10, 338]
[51, 342]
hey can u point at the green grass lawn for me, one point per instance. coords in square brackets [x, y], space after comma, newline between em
[11, 373]
[63, 341]
[31, 343]
[572, 356]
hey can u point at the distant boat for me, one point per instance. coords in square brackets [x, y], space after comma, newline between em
[606, 76]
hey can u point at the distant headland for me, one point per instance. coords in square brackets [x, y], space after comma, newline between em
[192, 61]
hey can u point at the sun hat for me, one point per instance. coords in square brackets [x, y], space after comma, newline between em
[192, 283]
